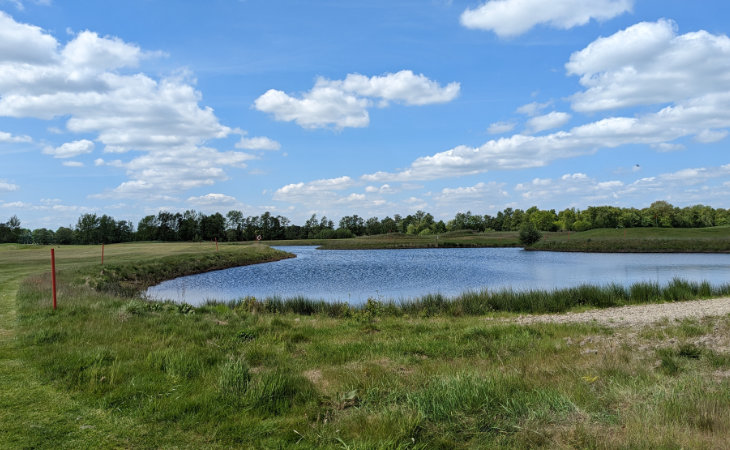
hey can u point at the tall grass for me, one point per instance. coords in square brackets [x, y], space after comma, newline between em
[483, 302]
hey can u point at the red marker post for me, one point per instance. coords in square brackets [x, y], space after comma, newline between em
[53, 276]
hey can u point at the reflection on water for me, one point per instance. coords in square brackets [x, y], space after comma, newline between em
[356, 275]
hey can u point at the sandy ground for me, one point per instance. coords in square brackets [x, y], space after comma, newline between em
[639, 314]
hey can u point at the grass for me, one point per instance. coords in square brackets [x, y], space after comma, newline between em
[110, 370]
[398, 241]
[637, 240]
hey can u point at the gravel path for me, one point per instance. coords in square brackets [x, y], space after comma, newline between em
[638, 314]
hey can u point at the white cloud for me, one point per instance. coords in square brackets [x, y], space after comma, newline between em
[706, 115]
[667, 147]
[548, 121]
[648, 63]
[70, 149]
[213, 200]
[6, 186]
[345, 103]
[317, 190]
[480, 192]
[23, 43]
[686, 185]
[501, 127]
[384, 189]
[73, 164]
[509, 18]
[257, 143]
[9, 138]
[533, 109]
[404, 86]
[87, 81]
[709, 136]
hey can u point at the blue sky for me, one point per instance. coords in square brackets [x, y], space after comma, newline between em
[370, 107]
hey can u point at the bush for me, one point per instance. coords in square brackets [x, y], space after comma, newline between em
[529, 234]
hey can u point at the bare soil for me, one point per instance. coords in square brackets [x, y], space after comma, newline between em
[637, 315]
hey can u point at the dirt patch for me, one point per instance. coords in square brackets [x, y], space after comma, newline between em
[638, 314]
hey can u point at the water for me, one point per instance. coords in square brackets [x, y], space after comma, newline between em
[356, 275]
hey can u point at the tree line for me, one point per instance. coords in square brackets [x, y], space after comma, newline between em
[234, 226]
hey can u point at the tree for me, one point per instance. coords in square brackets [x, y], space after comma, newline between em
[147, 229]
[88, 230]
[529, 233]
[213, 227]
[373, 226]
[42, 236]
[64, 236]
[234, 223]
[188, 227]
[355, 224]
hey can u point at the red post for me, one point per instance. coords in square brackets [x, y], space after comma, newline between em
[102, 254]
[53, 276]
[216, 244]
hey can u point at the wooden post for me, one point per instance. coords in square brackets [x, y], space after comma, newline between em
[102, 254]
[53, 276]
[216, 244]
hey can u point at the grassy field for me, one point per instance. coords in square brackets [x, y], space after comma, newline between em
[399, 240]
[677, 240]
[109, 370]
[667, 240]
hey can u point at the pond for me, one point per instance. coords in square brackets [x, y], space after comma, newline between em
[355, 275]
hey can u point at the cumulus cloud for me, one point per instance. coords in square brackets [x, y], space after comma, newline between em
[649, 63]
[501, 127]
[578, 189]
[709, 136]
[345, 103]
[384, 189]
[667, 147]
[70, 149]
[548, 121]
[533, 109]
[73, 164]
[480, 192]
[318, 189]
[212, 200]
[89, 81]
[24, 43]
[9, 138]
[257, 143]
[508, 18]
[700, 109]
[6, 186]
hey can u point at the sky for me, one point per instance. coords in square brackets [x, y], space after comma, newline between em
[372, 108]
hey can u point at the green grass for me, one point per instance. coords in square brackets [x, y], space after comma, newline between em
[476, 303]
[399, 241]
[637, 240]
[109, 370]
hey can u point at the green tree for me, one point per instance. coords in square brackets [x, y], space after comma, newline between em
[88, 229]
[529, 233]
[64, 236]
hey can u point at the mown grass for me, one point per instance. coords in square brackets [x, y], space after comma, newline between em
[239, 375]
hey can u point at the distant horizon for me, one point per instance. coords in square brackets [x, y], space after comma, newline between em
[370, 107]
[397, 216]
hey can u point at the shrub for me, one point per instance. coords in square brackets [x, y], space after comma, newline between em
[529, 234]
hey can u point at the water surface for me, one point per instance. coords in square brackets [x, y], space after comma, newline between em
[356, 275]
